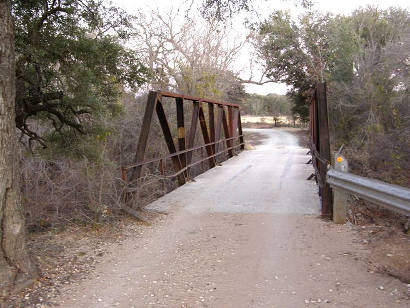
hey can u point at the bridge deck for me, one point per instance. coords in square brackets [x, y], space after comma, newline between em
[269, 179]
[242, 235]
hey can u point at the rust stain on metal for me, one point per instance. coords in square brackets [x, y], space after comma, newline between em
[181, 132]
[181, 158]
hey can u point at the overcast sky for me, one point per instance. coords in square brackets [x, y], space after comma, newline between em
[264, 8]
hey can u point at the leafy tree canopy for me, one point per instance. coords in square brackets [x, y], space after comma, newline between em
[295, 53]
[224, 9]
[267, 105]
[71, 65]
[320, 47]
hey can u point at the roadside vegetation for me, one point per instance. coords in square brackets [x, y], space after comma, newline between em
[364, 60]
[83, 69]
[266, 105]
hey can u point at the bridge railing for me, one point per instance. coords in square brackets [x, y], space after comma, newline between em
[222, 119]
[162, 160]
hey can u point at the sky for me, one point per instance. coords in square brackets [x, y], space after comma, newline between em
[264, 8]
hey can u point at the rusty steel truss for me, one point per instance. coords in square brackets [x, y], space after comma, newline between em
[228, 119]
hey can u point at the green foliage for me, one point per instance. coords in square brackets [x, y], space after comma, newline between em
[71, 144]
[71, 66]
[300, 110]
[343, 47]
[224, 9]
[280, 48]
[296, 53]
[364, 59]
[204, 85]
[267, 105]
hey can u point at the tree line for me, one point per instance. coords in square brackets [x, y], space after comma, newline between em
[73, 74]
[363, 57]
[266, 105]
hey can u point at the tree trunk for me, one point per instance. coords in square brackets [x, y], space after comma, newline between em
[16, 268]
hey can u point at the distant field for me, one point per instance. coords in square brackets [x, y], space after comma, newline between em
[266, 119]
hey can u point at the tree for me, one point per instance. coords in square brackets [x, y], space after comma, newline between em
[369, 90]
[299, 108]
[364, 59]
[267, 105]
[71, 65]
[16, 268]
[223, 9]
[190, 57]
[295, 53]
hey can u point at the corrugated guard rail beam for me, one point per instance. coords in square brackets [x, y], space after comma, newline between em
[393, 197]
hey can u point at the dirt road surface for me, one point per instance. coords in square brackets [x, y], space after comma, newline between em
[246, 234]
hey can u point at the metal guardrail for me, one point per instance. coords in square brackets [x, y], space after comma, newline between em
[393, 197]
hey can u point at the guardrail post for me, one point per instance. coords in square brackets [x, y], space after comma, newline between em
[340, 197]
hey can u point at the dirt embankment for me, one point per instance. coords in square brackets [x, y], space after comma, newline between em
[387, 236]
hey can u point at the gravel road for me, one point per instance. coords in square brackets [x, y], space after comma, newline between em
[246, 234]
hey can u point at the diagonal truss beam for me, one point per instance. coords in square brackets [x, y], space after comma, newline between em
[192, 130]
[169, 141]
[205, 135]
[227, 134]
[143, 137]
[218, 128]
[229, 120]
